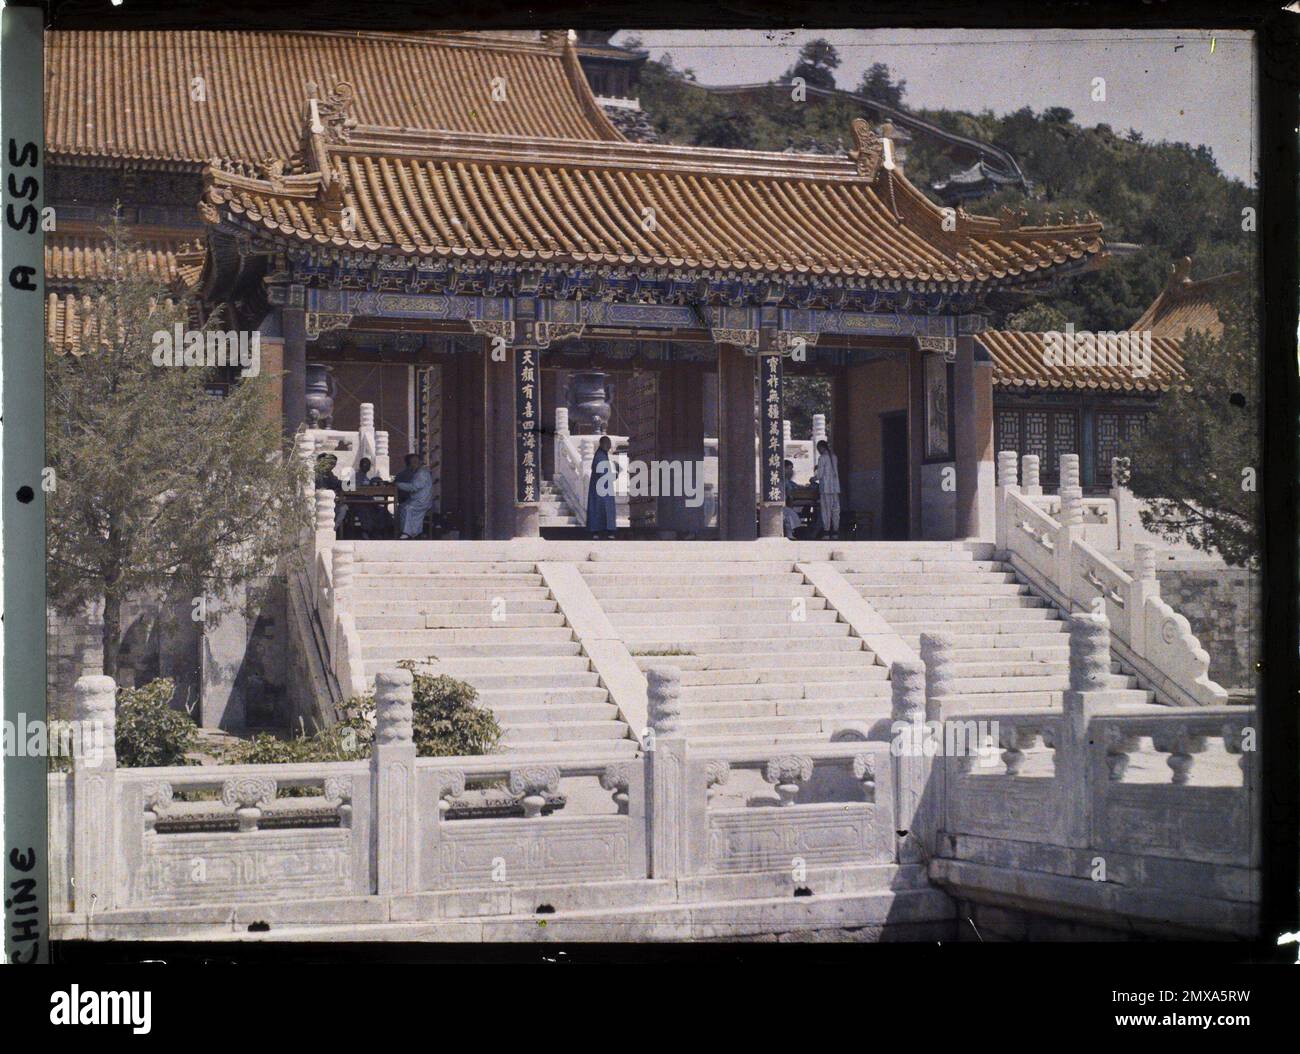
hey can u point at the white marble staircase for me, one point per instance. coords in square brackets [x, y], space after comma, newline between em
[553, 510]
[493, 624]
[1012, 647]
[762, 658]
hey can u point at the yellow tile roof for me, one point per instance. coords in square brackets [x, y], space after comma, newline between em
[135, 95]
[494, 197]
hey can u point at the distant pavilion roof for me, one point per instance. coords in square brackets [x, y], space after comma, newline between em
[1020, 359]
[1185, 304]
[440, 194]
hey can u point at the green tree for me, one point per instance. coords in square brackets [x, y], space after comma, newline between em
[878, 83]
[1196, 461]
[817, 63]
[157, 483]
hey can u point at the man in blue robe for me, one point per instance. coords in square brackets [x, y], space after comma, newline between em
[602, 506]
[415, 493]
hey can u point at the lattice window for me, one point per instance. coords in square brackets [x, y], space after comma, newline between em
[1007, 430]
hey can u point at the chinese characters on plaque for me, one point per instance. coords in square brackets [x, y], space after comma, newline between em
[773, 439]
[527, 462]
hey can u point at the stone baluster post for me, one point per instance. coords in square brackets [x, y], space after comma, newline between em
[939, 663]
[325, 508]
[396, 830]
[786, 433]
[587, 451]
[818, 432]
[665, 801]
[1029, 485]
[383, 466]
[341, 595]
[366, 432]
[561, 422]
[1127, 518]
[1145, 586]
[1089, 669]
[1070, 518]
[94, 794]
[1007, 483]
[910, 763]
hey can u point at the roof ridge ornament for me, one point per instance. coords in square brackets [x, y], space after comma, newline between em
[869, 149]
[335, 112]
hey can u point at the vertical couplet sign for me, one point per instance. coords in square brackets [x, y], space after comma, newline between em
[770, 397]
[527, 390]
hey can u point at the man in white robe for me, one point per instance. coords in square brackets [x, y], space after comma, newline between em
[828, 488]
[415, 490]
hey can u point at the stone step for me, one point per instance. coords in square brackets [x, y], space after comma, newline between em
[748, 630]
[787, 691]
[955, 602]
[377, 591]
[959, 584]
[402, 568]
[1015, 685]
[552, 712]
[455, 620]
[756, 726]
[797, 659]
[495, 635]
[925, 620]
[802, 651]
[548, 682]
[376, 644]
[771, 676]
[563, 731]
[511, 698]
[1057, 652]
[995, 637]
[559, 521]
[375, 608]
[747, 709]
[573, 749]
[468, 666]
[684, 568]
[885, 565]
[427, 580]
[631, 621]
[615, 586]
[631, 605]
[1042, 699]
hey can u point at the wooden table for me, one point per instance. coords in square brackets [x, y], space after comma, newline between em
[381, 494]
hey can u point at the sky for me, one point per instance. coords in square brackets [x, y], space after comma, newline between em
[1195, 87]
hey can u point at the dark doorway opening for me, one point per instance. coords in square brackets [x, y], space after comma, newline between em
[894, 488]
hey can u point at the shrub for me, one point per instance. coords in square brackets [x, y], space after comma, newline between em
[149, 732]
[448, 720]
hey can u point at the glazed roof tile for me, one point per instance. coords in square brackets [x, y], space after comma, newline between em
[131, 95]
[496, 197]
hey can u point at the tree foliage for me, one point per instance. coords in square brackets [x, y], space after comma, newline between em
[818, 60]
[1169, 198]
[158, 484]
[878, 83]
[1202, 444]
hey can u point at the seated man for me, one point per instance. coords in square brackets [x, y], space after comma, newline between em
[415, 496]
[326, 480]
[372, 518]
